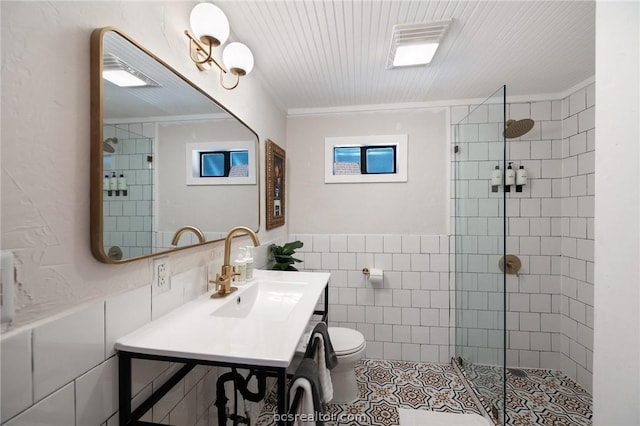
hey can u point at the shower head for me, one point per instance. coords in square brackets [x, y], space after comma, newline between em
[515, 129]
[107, 147]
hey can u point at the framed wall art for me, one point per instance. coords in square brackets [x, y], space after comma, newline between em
[276, 160]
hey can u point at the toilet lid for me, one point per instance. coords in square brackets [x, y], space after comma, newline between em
[345, 341]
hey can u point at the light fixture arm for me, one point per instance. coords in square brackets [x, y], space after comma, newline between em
[198, 49]
[229, 87]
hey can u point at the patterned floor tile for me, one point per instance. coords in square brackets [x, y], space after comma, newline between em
[384, 386]
[543, 397]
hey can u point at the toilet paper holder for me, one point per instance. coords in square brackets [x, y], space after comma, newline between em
[373, 276]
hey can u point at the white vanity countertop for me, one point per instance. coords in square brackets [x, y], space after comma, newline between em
[194, 331]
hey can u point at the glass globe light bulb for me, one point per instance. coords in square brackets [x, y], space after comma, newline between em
[209, 23]
[237, 58]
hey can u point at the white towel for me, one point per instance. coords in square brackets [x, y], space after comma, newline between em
[305, 405]
[323, 372]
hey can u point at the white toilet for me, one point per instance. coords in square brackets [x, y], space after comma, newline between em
[349, 346]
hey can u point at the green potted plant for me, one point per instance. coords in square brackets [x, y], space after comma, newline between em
[283, 259]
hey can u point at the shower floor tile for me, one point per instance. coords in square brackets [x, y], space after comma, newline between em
[541, 397]
[544, 397]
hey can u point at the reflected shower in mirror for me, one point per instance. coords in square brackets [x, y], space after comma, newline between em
[164, 155]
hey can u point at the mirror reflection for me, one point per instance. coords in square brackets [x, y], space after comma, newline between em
[170, 157]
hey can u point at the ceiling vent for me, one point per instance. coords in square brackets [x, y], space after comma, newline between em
[415, 44]
[122, 74]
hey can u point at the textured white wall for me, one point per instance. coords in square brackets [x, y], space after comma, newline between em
[214, 208]
[45, 143]
[418, 206]
[616, 369]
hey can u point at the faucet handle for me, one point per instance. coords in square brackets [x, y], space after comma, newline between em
[219, 281]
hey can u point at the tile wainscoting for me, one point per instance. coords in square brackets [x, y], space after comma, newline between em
[408, 317]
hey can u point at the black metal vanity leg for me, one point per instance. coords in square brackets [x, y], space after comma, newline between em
[124, 388]
[282, 396]
[326, 304]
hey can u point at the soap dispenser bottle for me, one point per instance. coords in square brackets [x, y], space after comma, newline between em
[113, 183]
[248, 258]
[496, 179]
[122, 184]
[240, 267]
[106, 185]
[521, 178]
[509, 178]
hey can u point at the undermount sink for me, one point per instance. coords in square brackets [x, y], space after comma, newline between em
[265, 300]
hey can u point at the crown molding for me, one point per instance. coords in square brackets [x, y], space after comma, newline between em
[294, 112]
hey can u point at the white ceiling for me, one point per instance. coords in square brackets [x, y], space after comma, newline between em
[331, 53]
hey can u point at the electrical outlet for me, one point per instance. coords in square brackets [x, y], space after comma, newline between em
[161, 275]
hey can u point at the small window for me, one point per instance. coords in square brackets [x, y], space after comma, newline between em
[221, 163]
[379, 159]
[346, 160]
[239, 164]
[224, 163]
[376, 159]
[366, 159]
[213, 164]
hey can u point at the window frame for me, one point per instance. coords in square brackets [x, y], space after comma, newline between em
[399, 142]
[193, 163]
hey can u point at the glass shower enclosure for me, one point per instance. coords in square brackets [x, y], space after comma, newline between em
[479, 229]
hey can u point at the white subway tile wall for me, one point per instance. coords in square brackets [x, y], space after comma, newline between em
[65, 371]
[55, 410]
[78, 339]
[127, 218]
[17, 374]
[407, 317]
[478, 298]
[549, 226]
[534, 240]
[575, 340]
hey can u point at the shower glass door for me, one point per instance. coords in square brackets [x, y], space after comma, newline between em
[478, 219]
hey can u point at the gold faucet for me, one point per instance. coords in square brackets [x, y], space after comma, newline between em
[184, 229]
[223, 280]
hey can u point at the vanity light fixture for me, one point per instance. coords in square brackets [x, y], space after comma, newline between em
[415, 44]
[209, 29]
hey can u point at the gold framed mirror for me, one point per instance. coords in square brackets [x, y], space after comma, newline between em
[165, 157]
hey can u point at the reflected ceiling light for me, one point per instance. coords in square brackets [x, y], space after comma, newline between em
[415, 44]
[122, 74]
[122, 78]
[209, 29]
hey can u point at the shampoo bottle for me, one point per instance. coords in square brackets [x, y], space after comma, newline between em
[521, 178]
[240, 267]
[113, 183]
[105, 185]
[509, 178]
[248, 258]
[496, 179]
[122, 184]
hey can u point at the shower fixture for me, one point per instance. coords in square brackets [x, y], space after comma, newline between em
[517, 128]
[107, 145]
